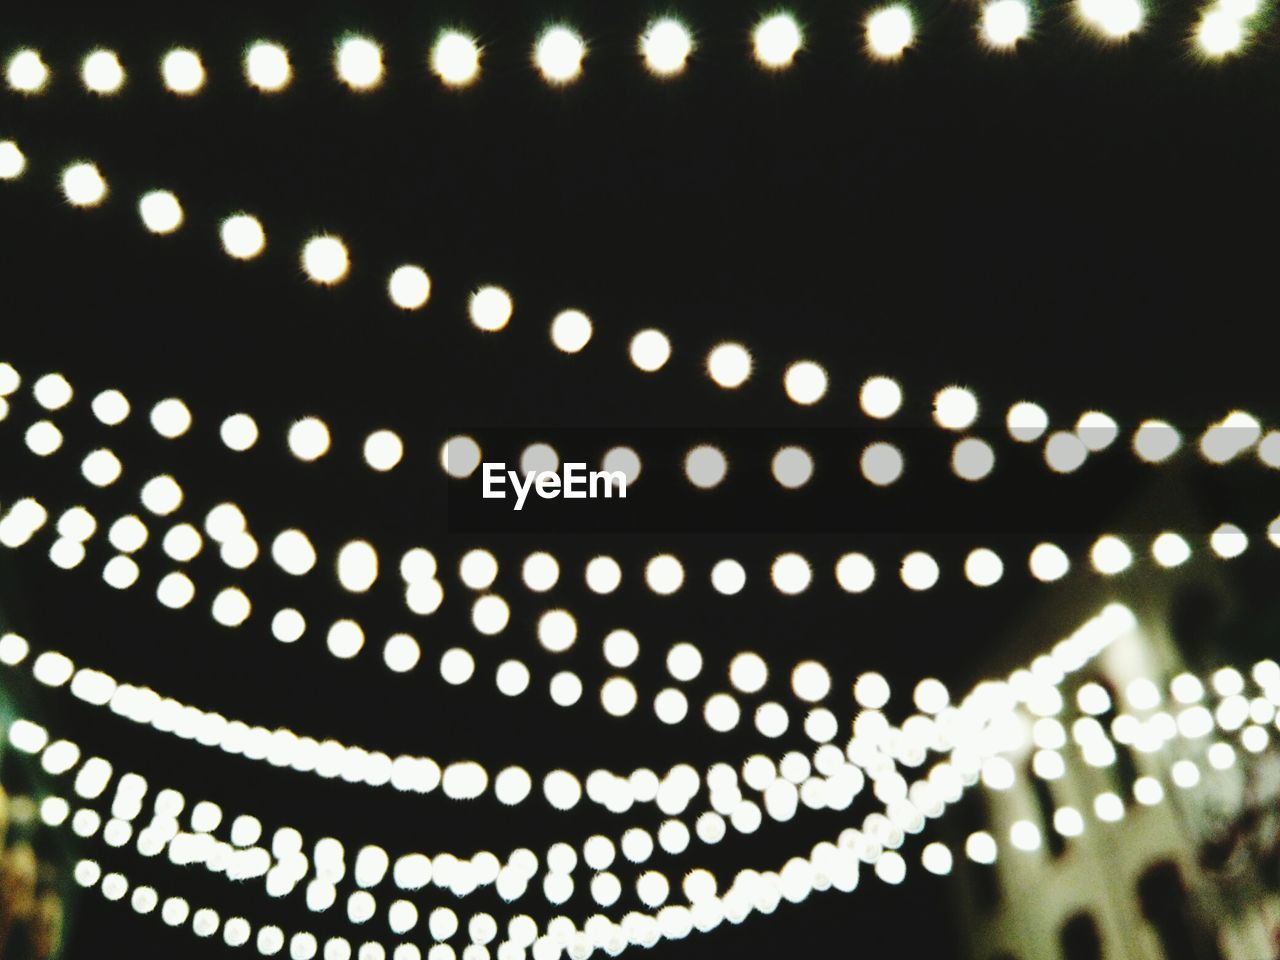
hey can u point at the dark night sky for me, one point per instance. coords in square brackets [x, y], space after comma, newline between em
[1084, 224]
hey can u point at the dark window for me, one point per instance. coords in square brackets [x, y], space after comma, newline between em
[1080, 939]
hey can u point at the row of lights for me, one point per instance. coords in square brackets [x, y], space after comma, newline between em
[205, 816]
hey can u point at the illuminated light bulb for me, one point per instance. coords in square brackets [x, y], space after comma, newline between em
[160, 211]
[1108, 807]
[855, 573]
[729, 365]
[810, 681]
[1096, 430]
[557, 630]
[170, 418]
[309, 439]
[490, 614]
[1228, 541]
[239, 432]
[478, 569]
[460, 456]
[490, 308]
[182, 71]
[890, 31]
[1219, 33]
[243, 236]
[805, 382]
[409, 287]
[1148, 791]
[705, 466]
[650, 350]
[83, 185]
[12, 161]
[603, 575]
[955, 408]
[880, 397]
[1048, 562]
[266, 66]
[1068, 821]
[512, 679]
[1110, 555]
[937, 859]
[881, 463]
[558, 55]
[52, 391]
[26, 72]
[666, 46]
[919, 570]
[101, 72]
[791, 574]
[325, 260]
[728, 577]
[1170, 550]
[670, 706]
[972, 459]
[983, 567]
[871, 691]
[455, 59]
[1156, 441]
[1114, 19]
[571, 331]
[1026, 421]
[792, 467]
[1025, 835]
[1004, 23]
[981, 847]
[618, 696]
[457, 666]
[358, 61]
[684, 662]
[383, 449]
[345, 639]
[777, 40]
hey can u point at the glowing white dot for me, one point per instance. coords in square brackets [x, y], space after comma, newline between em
[490, 614]
[242, 236]
[1228, 541]
[664, 574]
[684, 662]
[562, 789]
[160, 211]
[871, 690]
[490, 308]
[931, 696]
[1219, 33]
[101, 72]
[650, 350]
[231, 607]
[101, 468]
[1269, 449]
[810, 681]
[1170, 550]
[791, 573]
[855, 573]
[937, 859]
[890, 31]
[1114, 19]
[621, 648]
[557, 630]
[670, 706]
[43, 438]
[83, 185]
[12, 160]
[1005, 22]
[919, 570]
[805, 382]
[792, 467]
[162, 495]
[981, 847]
[955, 408]
[1065, 452]
[748, 672]
[881, 463]
[777, 39]
[1026, 421]
[603, 575]
[728, 577]
[565, 689]
[1096, 430]
[383, 449]
[972, 459]
[1108, 807]
[1156, 441]
[325, 260]
[666, 46]
[239, 432]
[622, 460]
[1048, 562]
[359, 63]
[570, 331]
[26, 72]
[182, 71]
[457, 666]
[558, 55]
[880, 397]
[309, 439]
[266, 65]
[705, 466]
[1110, 555]
[345, 639]
[729, 365]
[460, 456]
[983, 567]
[170, 418]
[512, 678]
[721, 712]
[288, 625]
[455, 58]
[409, 287]
[618, 696]
[401, 653]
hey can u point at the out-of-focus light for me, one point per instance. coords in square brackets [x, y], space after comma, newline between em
[309, 439]
[955, 408]
[383, 449]
[1004, 23]
[792, 467]
[1155, 441]
[1228, 541]
[358, 61]
[558, 55]
[805, 382]
[705, 467]
[777, 40]
[1065, 452]
[983, 567]
[855, 573]
[83, 185]
[881, 463]
[650, 350]
[12, 160]
[880, 397]
[1108, 807]
[490, 308]
[981, 847]
[666, 46]
[325, 260]
[455, 59]
[729, 365]
[1170, 550]
[160, 211]
[972, 459]
[182, 71]
[409, 287]
[1068, 821]
[919, 570]
[27, 72]
[1048, 562]
[1025, 421]
[266, 65]
[243, 236]
[170, 418]
[1219, 33]
[571, 331]
[1114, 19]
[937, 859]
[101, 72]
[1096, 430]
[890, 31]
[1110, 555]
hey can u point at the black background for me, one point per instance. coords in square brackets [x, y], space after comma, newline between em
[1085, 224]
